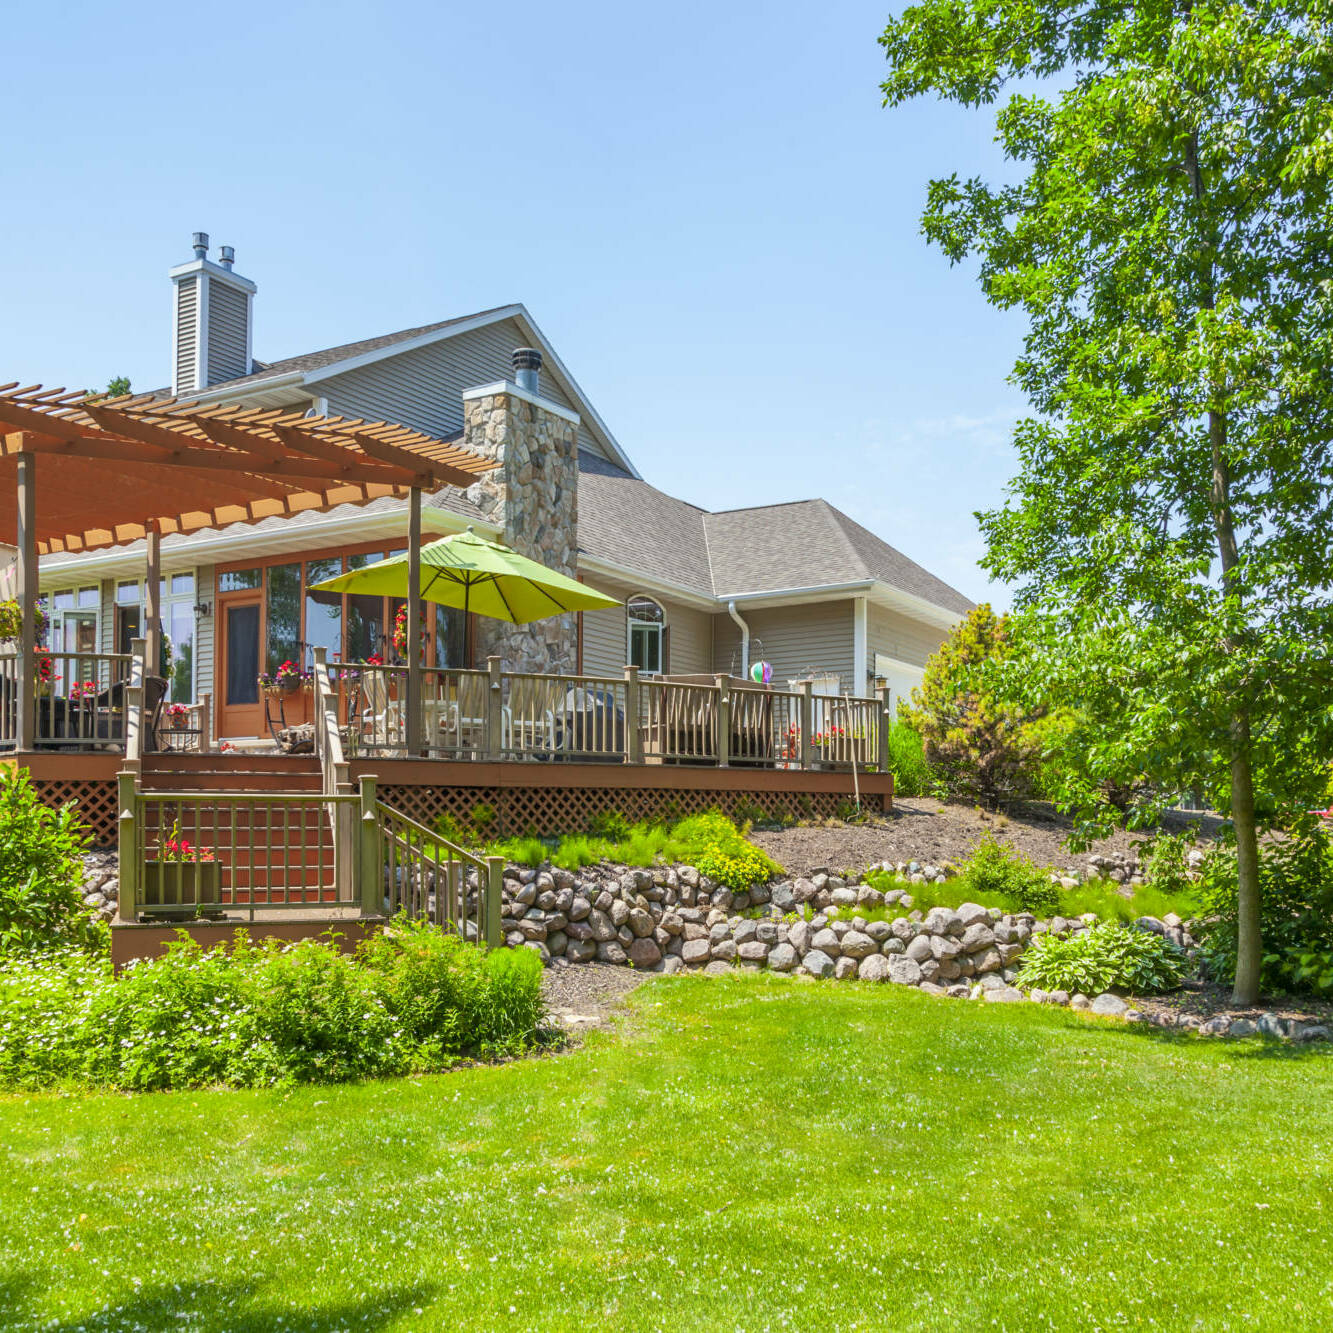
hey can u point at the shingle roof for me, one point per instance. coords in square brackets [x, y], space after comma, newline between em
[627, 522]
[769, 548]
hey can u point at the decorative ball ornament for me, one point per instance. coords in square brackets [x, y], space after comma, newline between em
[762, 672]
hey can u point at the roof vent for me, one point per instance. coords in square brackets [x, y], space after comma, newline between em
[228, 256]
[201, 245]
[527, 368]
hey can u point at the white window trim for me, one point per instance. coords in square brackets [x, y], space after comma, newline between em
[659, 625]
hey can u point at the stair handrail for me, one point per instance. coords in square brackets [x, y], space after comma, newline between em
[328, 736]
[392, 824]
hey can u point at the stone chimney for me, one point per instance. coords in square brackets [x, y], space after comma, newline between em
[533, 497]
[211, 324]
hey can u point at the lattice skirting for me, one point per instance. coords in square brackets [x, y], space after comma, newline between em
[518, 811]
[95, 797]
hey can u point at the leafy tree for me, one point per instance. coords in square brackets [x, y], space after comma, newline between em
[1167, 236]
[982, 745]
[118, 386]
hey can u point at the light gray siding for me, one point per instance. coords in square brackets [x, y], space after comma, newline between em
[203, 633]
[605, 636]
[228, 315]
[899, 636]
[424, 388]
[187, 334]
[813, 636]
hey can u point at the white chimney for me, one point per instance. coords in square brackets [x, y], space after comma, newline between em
[212, 321]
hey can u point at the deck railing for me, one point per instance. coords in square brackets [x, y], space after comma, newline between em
[714, 720]
[431, 879]
[78, 704]
[194, 853]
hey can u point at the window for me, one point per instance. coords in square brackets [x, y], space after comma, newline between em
[647, 622]
[127, 594]
[238, 580]
[282, 615]
[323, 611]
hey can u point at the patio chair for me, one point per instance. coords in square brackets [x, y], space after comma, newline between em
[381, 715]
[528, 717]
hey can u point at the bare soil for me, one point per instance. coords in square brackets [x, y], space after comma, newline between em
[932, 832]
[585, 995]
[1210, 1000]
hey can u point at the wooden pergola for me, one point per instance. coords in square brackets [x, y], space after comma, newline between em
[113, 470]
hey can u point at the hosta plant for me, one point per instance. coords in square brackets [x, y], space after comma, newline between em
[1104, 957]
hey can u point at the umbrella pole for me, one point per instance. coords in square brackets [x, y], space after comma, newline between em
[414, 737]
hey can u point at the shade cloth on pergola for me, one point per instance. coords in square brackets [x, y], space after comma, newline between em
[110, 468]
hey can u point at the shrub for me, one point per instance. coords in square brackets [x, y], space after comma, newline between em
[1166, 867]
[40, 871]
[996, 874]
[411, 999]
[1104, 956]
[609, 825]
[717, 848]
[912, 774]
[983, 746]
[1295, 905]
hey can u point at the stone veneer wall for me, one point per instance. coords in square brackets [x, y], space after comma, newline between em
[533, 497]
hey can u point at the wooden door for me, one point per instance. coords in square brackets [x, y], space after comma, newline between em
[240, 629]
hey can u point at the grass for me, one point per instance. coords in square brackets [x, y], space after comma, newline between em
[1102, 896]
[744, 1154]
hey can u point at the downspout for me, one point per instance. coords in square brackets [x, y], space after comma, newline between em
[745, 638]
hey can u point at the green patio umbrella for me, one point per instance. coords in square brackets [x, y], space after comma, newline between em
[475, 575]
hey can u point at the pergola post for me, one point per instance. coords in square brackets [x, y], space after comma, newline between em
[415, 732]
[152, 630]
[26, 703]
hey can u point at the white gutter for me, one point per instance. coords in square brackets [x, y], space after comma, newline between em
[745, 638]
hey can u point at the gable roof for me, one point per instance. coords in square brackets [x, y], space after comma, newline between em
[311, 367]
[804, 545]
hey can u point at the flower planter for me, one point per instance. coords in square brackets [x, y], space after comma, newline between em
[178, 888]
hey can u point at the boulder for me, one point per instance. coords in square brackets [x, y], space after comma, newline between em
[978, 936]
[827, 942]
[844, 968]
[904, 971]
[972, 914]
[1242, 1027]
[724, 950]
[800, 936]
[717, 968]
[782, 958]
[819, 964]
[875, 967]
[920, 948]
[644, 953]
[695, 952]
[1003, 995]
[641, 922]
[752, 951]
[1080, 1002]
[990, 961]
[1111, 1005]
[609, 951]
[942, 920]
[856, 945]
[783, 897]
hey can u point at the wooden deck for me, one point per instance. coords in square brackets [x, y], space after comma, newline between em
[523, 796]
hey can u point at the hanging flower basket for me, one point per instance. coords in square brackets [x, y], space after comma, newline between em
[287, 679]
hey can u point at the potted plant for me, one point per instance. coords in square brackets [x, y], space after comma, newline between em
[287, 679]
[183, 880]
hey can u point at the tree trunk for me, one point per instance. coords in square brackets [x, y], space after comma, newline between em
[1249, 941]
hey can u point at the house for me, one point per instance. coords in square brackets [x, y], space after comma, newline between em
[799, 585]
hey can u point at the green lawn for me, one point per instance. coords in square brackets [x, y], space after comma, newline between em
[750, 1154]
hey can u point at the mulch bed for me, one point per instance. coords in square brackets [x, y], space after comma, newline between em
[933, 832]
[1209, 1000]
[583, 996]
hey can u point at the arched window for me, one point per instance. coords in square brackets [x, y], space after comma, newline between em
[647, 624]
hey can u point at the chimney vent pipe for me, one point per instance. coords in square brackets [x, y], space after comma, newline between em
[201, 245]
[527, 368]
[228, 257]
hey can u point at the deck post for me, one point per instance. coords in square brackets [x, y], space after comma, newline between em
[494, 708]
[807, 723]
[492, 894]
[883, 720]
[723, 721]
[152, 627]
[25, 703]
[415, 737]
[205, 721]
[370, 855]
[134, 718]
[127, 846]
[633, 725]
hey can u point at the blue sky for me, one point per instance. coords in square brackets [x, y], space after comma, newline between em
[705, 207]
